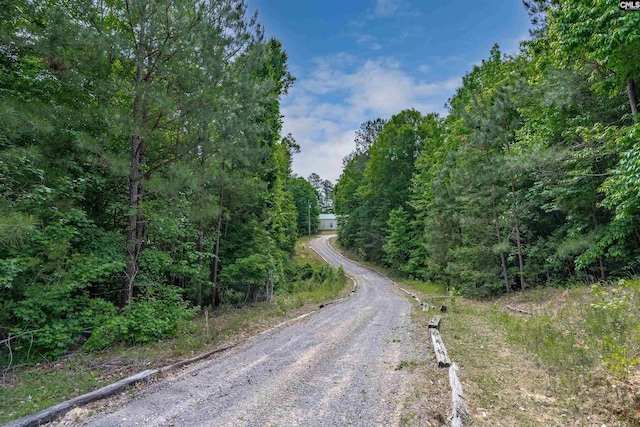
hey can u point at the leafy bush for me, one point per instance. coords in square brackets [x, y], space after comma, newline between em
[152, 317]
[303, 272]
[615, 323]
[54, 279]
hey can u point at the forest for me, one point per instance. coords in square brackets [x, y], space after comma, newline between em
[532, 178]
[144, 176]
[142, 171]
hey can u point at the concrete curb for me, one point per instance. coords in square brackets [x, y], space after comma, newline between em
[56, 411]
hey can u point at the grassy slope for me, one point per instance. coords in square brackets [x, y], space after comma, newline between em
[26, 390]
[565, 364]
[574, 360]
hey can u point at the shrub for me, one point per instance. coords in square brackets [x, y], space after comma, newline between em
[152, 317]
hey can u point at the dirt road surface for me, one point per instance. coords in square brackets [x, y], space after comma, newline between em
[340, 366]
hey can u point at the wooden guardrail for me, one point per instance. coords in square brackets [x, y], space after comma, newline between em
[458, 408]
[457, 398]
[439, 349]
[434, 323]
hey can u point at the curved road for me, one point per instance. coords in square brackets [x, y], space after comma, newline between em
[340, 366]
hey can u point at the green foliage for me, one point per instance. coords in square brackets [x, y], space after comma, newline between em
[324, 192]
[305, 198]
[145, 162]
[615, 324]
[531, 178]
[156, 315]
[622, 187]
[598, 37]
[309, 278]
[50, 277]
[454, 294]
[588, 328]
[397, 243]
[550, 340]
[253, 269]
[377, 179]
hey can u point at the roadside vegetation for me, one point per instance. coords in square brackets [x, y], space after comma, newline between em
[546, 356]
[525, 196]
[573, 360]
[531, 180]
[143, 174]
[27, 389]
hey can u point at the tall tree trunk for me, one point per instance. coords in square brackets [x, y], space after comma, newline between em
[269, 290]
[253, 293]
[503, 261]
[200, 263]
[216, 294]
[133, 244]
[135, 230]
[633, 96]
[517, 231]
[603, 275]
[200, 243]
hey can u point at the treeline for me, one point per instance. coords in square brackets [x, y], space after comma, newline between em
[142, 170]
[532, 179]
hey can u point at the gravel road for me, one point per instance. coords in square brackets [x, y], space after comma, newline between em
[340, 366]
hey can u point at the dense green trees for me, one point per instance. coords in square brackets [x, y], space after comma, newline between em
[324, 190]
[347, 199]
[530, 180]
[141, 168]
[306, 199]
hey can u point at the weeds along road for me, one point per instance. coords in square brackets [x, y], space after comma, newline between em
[340, 366]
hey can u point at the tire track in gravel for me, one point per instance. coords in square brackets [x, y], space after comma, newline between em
[336, 367]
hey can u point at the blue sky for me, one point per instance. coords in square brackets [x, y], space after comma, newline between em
[356, 60]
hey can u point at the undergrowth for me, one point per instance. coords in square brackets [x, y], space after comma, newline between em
[599, 325]
[587, 339]
[569, 356]
[124, 346]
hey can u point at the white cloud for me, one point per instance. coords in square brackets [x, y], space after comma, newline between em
[365, 38]
[386, 8]
[368, 40]
[326, 107]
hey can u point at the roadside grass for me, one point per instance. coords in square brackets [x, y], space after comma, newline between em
[429, 289]
[28, 389]
[572, 361]
[545, 356]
